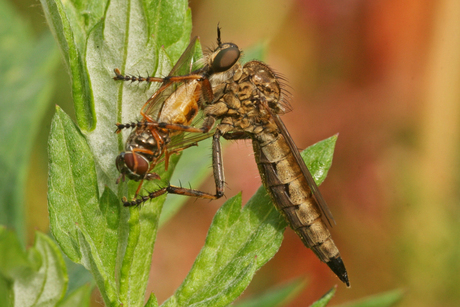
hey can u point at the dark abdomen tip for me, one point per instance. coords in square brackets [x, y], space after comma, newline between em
[337, 266]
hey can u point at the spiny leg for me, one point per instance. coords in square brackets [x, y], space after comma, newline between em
[208, 124]
[120, 77]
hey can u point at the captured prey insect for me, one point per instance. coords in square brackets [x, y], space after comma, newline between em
[169, 113]
[247, 101]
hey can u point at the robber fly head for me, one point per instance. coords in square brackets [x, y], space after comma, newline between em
[219, 64]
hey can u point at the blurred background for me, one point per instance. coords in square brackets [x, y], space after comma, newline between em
[385, 75]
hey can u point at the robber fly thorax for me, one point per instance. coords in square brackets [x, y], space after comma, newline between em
[170, 112]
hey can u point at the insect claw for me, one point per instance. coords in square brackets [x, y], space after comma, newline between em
[119, 127]
[144, 199]
[127, 203]
[119, 76]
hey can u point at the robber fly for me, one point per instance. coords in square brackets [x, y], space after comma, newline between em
[247, 101]
[169, 112]
[250, 109]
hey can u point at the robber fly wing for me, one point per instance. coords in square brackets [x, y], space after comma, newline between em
[184, 65]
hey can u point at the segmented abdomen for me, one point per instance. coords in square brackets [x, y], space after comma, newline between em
[289, 190]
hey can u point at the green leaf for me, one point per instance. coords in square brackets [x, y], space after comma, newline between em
[239, 242]
[36, 277]
[48, 284]
[324, 300]
[278, 296]
[85, 226]
[26, 65]
[385, 299]
[66, 24]
[6, 293]
[152, 302]
[123, 32]
[115, 243]
[318, 158]
[72, 188]
[13, 259]
[81, 297]
[143, 226]
[78, 275]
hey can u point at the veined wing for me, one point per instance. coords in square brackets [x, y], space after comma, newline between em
[180, 142]
[185, 139]
[311, 182]
[182, 67]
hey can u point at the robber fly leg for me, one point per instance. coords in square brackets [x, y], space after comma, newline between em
[218, 170]
[143, 199]
[171, 190]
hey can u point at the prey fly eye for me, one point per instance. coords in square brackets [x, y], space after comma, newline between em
[126, 159]
[225, 59]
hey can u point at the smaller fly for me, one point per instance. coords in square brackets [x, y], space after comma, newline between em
[169, 113]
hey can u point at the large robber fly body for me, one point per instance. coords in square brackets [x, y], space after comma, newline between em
[246, 101]
[249, 110]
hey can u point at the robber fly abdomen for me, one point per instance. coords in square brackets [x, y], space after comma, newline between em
[249, 109]
[292, 196]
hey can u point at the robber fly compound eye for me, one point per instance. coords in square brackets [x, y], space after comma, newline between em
[226, 58]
